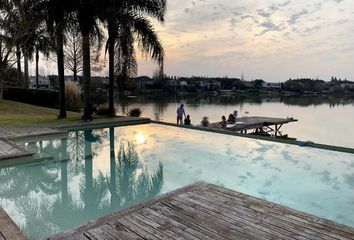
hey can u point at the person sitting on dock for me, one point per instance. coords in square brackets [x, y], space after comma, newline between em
[223, 123]
[231, 119]
[187, 121]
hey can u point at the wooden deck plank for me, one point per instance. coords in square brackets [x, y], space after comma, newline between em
[269, 223]
[278, 219]
[8, 229]
[203, 211]
[135, 225]
[285, 213]
[171, 224]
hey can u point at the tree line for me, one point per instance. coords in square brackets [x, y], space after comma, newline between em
[50, 27]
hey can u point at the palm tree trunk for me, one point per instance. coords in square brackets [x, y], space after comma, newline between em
[60, 60]
[1, 86]
[86, 72]
[37, 71]
[18, 55]
[111, 38]
[26, 77]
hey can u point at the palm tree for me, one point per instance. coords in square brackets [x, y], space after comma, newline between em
[58, 12]
[87, 13]
[7, 59]
[126, 22]
[11, 25]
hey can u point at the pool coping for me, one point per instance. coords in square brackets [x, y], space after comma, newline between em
[259, 137]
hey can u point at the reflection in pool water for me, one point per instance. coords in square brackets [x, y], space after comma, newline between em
[96, 172]
[50, 196]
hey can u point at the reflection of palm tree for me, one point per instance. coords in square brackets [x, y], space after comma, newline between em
[31, 188]
[129, 187]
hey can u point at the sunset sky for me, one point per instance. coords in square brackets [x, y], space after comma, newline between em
[267, 39]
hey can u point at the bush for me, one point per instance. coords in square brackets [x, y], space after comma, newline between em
[73, 96]
[102, 109]
[39, 97]
[135, 112]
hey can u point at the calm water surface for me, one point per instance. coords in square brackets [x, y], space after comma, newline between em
[325, 120]
[92, 173]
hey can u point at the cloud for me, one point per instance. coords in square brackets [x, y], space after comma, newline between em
[263, 13]
[295, 17]
[269, 27]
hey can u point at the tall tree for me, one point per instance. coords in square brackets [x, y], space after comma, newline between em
[58, 12]
[7, 61]
[87, 13]
[73, 53]
[127, 22]
[11, 26]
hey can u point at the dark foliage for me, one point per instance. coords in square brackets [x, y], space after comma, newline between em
[39, 97]
[135, 112]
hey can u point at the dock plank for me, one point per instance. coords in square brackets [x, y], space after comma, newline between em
[204, 211]
[8, 229]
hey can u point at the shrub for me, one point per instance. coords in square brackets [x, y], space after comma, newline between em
[73, 96]
[102, 109]
[39, 97]
[135, 112]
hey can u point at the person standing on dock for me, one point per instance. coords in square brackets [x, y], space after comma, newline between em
[180, 113]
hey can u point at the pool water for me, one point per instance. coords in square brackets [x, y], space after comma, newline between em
[92, 173]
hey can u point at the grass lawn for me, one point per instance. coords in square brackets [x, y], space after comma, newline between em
[16, 113]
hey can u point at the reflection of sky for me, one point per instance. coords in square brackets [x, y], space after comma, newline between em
[320, 124]
[310, 180]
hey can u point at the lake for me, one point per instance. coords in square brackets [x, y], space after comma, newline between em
[327, 120]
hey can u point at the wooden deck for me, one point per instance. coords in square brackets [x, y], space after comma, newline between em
[204, 211]
[8, 229]
[9, 150]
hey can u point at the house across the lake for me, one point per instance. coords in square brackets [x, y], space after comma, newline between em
[43, 82]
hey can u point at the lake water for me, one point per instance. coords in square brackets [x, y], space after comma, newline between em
[326, 120]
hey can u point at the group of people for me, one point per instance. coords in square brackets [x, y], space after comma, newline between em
[230, 121]
[187, 121]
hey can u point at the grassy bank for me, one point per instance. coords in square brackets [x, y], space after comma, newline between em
[16, 113]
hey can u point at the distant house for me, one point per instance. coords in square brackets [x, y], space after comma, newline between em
[177, 83]
[144, 82]
[247, 84]
[273, 86]
[347, 85]
[43, 82]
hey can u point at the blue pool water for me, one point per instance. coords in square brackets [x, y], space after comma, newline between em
[92, 173]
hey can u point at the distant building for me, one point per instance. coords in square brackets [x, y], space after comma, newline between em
[347, 85]
[274, 86]
[144, 82]
[43, 82]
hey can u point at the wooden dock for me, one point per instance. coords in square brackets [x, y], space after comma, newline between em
[203, 211]
[259, 124]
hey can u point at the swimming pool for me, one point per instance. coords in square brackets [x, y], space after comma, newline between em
[92, 173]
